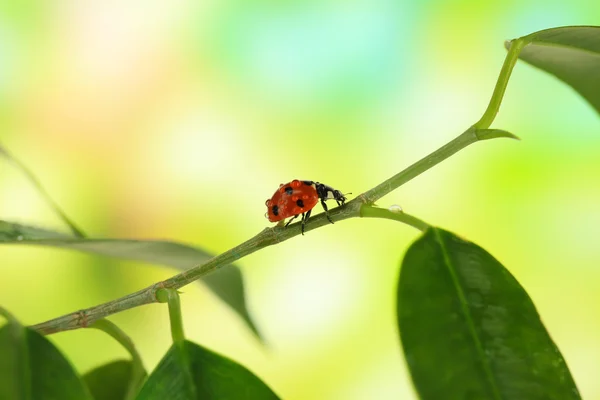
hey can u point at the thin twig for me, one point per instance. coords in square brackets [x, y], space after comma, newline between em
[268, 237]
[278, 234]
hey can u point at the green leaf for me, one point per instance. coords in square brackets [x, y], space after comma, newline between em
[227, 283]
[113, 381]
[572, 54]
[31, 368]
[38, 185]
[189, 371]
[469, 330]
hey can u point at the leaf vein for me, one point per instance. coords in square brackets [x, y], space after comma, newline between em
[467, 314]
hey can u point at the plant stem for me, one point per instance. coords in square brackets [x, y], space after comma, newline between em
[466, 138]
[278, 234]
[494, 106]
[267, 237]
[367, 211]
[138, 373]
[171, 297]
[116, 333]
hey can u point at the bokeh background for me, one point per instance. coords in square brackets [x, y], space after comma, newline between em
[177, 119]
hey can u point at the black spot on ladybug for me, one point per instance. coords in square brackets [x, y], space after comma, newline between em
[275, 210]
[308, 183]
[289, 191]
[300, 203]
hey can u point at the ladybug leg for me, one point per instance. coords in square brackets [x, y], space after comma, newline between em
[326, 210]
[305, 217]
[291, 219]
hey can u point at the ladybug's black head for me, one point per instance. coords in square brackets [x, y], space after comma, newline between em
[327, 192]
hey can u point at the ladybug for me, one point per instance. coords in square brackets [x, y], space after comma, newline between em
[299, 198]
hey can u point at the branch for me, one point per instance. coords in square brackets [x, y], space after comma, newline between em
[268, 237]
[278, 234]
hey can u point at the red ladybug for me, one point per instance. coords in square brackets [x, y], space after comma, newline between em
[299, 197]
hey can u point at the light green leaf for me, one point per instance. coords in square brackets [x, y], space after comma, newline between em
[572, 54]
[227, 283]
[31, 368]
[190, 372]
[470, 331]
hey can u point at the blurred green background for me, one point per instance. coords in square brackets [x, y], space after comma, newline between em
[176, 120]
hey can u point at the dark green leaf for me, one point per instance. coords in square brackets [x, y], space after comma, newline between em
[227, 283]
[37, 184]
[572, 54]
[190, 372]
[31, 368]
[113, 381]
[470, 331]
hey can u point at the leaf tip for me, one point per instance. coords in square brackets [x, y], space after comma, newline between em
[485, 134]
